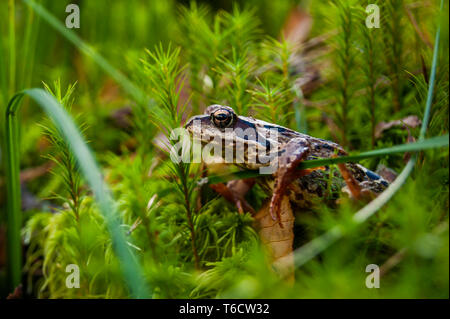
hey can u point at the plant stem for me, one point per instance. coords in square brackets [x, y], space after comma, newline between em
[372, 84]
[345, 67]
[394, 55]
[189, 217]
[12, 48]
[13, 201]
[29, 46]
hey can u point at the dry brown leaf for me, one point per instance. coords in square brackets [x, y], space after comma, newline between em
[297, 26]
[409, 121]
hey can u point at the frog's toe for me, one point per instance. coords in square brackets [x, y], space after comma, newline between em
[273, 210]
[275, 207]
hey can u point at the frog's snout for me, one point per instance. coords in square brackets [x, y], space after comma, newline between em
[194, 124]
[188, 124]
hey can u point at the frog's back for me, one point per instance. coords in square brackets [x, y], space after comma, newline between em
[319, 148]
[309, 188]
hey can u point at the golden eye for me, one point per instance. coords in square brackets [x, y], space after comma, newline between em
[222, 118]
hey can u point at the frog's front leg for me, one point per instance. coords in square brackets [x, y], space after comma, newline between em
[234, 191]
[294, 152]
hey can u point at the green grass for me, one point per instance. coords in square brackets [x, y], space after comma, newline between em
[167, 236]
[89, 170]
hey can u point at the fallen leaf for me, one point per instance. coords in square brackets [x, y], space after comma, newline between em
[409, 121]
[17, 293]
[297, 26]
[387, 173]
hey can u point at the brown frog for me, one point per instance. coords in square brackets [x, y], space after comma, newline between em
[252, 142]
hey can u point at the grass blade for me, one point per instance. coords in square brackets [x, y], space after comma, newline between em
[12, 47]
[90, 171]
[136, 93]
[13, 202]
[308, 251]
[434, 142]
[316, 246]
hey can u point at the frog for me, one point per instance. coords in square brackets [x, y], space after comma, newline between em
[288, 188]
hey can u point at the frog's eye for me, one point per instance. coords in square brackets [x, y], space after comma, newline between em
[222, 118]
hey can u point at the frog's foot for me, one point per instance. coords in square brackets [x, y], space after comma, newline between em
[235, 191]
[294, 152]
[357, 190]
[350, 180]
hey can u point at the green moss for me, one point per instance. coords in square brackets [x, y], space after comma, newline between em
[190, 242]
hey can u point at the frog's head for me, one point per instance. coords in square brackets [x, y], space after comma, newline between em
[213, 122]
[221, 126]
[218, 119]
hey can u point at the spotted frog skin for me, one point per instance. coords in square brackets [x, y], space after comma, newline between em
[303, 188]
[289, 188]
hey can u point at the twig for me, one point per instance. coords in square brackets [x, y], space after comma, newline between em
[393, 261]
[400, 255]
[419, 32]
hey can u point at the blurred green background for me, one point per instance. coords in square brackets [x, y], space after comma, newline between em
[122, 135]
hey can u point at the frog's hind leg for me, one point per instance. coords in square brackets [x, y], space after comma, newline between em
[362, 184]
[295, 151]
[350, 181]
